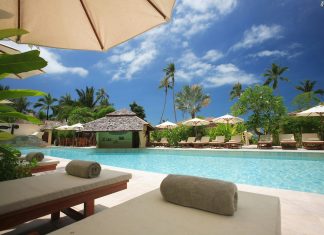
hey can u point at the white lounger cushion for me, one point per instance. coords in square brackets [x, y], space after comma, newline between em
[22, 193]
[150, 214]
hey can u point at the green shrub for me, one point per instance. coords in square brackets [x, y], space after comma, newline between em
[227, 130]
[174, 135]
[10, 167]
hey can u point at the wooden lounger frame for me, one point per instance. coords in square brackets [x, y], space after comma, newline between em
[47, 167]
[54, 207]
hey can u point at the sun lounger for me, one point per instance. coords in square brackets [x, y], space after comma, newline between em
[187, 143]
[46, 164]
[151, 214]
[265, 141]
[235, 142]
[287, 141]
[204, 141]
[164, 142]
[219, 141]
[29, 198]
[312, 141]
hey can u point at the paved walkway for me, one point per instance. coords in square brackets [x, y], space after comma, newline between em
[301, 213]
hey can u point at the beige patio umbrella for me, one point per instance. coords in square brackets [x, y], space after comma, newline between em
[6, 102]
[196, 122]
[317, 111]
[65, 128]
[9, 50]
[228, 119]
[166, 125]
[83, 24]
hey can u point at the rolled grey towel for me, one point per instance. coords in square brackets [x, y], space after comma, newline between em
[39, 156]
[211, 195]
[83, 169]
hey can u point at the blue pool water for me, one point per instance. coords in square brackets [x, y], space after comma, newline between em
[287, 170]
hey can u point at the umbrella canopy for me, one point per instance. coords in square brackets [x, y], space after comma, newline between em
[65, 128]
[77, 127]
[6, 102]
[313, 112]
[166, 125]
[11, 51]
[195, 122]
[228, 119]
[83, 24]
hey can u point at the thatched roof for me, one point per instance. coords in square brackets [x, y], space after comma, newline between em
[50, 125]
[121, 120]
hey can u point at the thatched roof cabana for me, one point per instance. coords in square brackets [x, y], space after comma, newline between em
[121, 120]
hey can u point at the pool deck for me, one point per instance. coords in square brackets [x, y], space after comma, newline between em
[301, 213]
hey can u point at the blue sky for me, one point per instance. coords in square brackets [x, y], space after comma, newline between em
[212, 43]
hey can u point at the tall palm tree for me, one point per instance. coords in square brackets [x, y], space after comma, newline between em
[66, 100]
[191, 99]
[86, 97]
[308, 86]
[236, 91]
[46, 103]
[165, 84]
[102, 96]
[21, 105]
[169, 73]
[274, 74]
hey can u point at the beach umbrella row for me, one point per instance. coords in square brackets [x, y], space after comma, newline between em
[75, 127]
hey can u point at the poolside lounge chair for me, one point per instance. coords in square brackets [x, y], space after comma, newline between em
[265, 141]
[204, 141]
[163, 142]
[46, 164]
[312, 141]
[287, 141]
[235, 142]
[218, 142]
[29, 198]
[151, 214]
[187, 143]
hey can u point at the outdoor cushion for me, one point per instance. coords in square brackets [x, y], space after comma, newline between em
[83, 169]
[26, 192]
[151, 214]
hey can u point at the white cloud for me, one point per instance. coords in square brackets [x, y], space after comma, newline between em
[213, 55]
[190, 17]
[195, 69]
[267, 53]
[257, 35]
[55, 66]
[228, 74]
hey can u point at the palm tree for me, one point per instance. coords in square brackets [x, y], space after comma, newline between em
[86, 97]
[169, 74]
[66, 100]
[102, 96]
[273, 75]
[164, 83]
[46, 103]
[236, 91]
[308, 86]
[191, 99]
[21, 105]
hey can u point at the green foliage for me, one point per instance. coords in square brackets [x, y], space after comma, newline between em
[264, 109]
[236, 91]
[299, 125]
[274, 74]
[191, 99]
[174, 135]
[80, 115]
[13, 94]
[7, 33]
[306, 100]
[46, 103]
[102, 112]
[139, 110]
[22, 62]
[227, 130]
[10, 166]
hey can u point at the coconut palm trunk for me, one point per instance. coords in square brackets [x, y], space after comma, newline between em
[165, 99]
[174, 107]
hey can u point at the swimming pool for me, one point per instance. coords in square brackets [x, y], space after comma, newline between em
[287, 170]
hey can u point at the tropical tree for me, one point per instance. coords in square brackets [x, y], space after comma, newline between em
[308, 86]
[66, 100]
[87, 97]
[47, 102]
[191, 99]
[274, 74]
[265, 110]
[21, 105]
[169, 74]
[102, 112]
[4, 88]
[236, 91]
[139, 110]
[165, 84]
[102, 97]
[80, 115]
